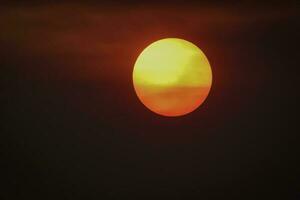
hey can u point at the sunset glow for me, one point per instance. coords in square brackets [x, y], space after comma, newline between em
[172, 77]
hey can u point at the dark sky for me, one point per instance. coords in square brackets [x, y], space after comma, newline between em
[73, 127]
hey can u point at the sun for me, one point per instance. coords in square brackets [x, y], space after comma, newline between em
[172, 77]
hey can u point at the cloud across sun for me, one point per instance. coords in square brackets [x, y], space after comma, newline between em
[172, 77]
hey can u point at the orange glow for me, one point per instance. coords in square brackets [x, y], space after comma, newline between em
[172, 77]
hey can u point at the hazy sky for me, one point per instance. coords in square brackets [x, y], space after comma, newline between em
[74, 128]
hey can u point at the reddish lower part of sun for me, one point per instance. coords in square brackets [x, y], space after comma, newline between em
[172, 101]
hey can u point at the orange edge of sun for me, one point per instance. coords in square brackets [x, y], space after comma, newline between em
[172, 77]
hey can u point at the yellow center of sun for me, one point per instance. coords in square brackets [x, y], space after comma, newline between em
[172, 77]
